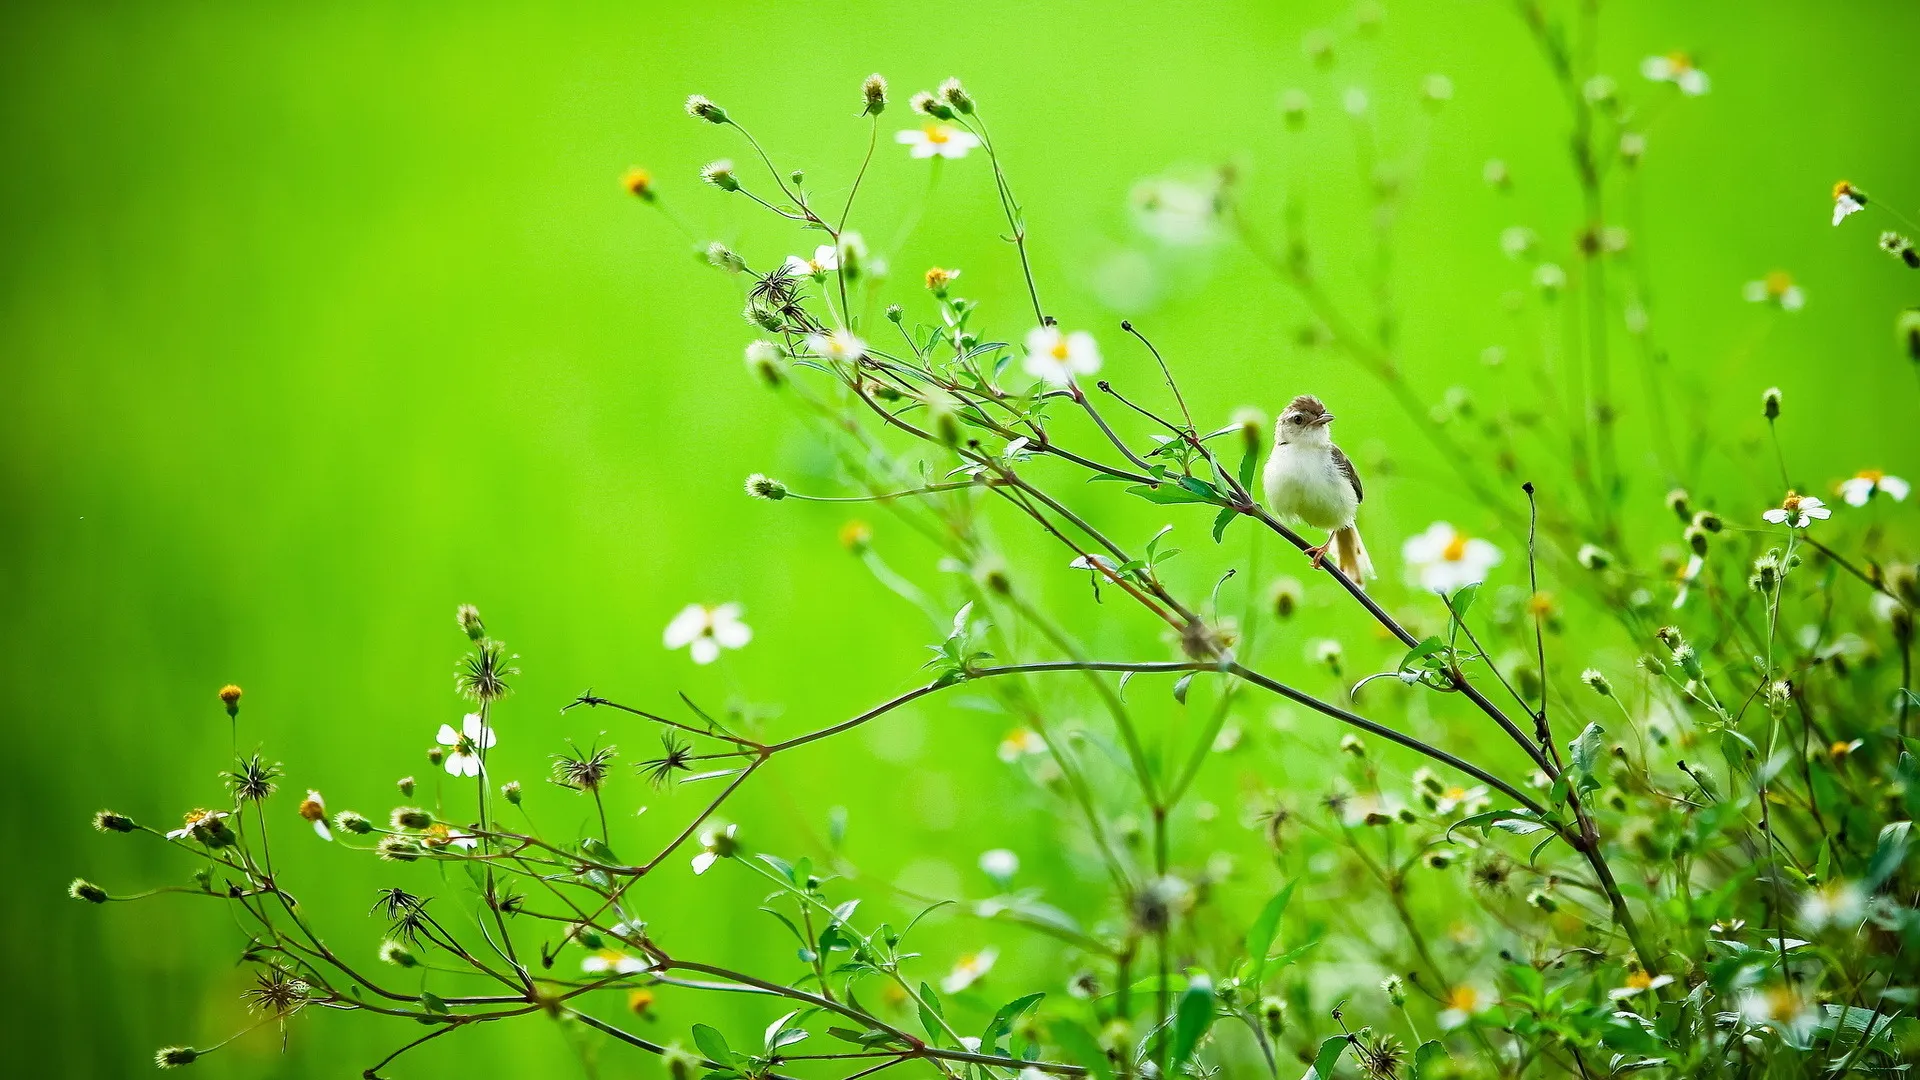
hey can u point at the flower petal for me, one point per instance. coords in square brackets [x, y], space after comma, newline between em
[685, 627]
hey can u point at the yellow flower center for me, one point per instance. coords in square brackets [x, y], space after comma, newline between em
[1680, 61]
[937, 134]
[1842, 188]
[1464, 998]
[1540, 604]
[1778, 282]
[1639, 980]
[1791, 503]
[1456, 548]
[1840, 749]
[1456, 793]
[1059, 351]
[1871, 476]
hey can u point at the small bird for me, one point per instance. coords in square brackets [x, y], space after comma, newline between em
[1309, 481]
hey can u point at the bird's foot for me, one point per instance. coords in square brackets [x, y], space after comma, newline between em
[1319, 554]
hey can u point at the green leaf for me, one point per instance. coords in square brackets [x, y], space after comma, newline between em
[1424, 1057]
[1221, 520]
[1192, 1017]
[1461, 600]
[712, 1044]
[1082, 1048]
[1327, 1058]
[1261, 934]
[1586, 753]
[1889, 853]
[1517, 822]
[1004, 1020]
[1180, 687]
[1168, 494]
[930, 1014]
[433, 1003]
[1420, 652]
[597, 850]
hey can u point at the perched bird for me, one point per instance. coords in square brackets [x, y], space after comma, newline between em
[1309, 481]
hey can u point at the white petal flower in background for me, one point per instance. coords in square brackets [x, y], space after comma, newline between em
[1676, 68]
[1639, 982]
[1462, 1003]
[1847, 201]
[1445, 560]
[838, 345]
[969, 969]
[1055, 358]
[1778, 289]
[1021, 742]
[1686, 578]
[715, 844]
[475, 735]
[935, 139]
[1798, 511]
[1177, 212]
[1861, 486]
[1839, 904]
[1000, 864]
[704, 631]
[613, 962]
[825, 260]
[314, 809]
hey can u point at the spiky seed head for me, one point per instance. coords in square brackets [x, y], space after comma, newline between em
[700, 108]
[720, 175]
[510, 791]
[397, 849]
[82, 889]
[410, 817]
[766, 487]
[722, 257]
[1597, 682]
[254, 779]
[405, 784]
[584, 771]
[874, 90]
[1770, 403]
[956, 97]
[173, 1057]
[468, 618]
[929, 105]
[348, 821]
[483, 672]
[397, 954]
[108, 821]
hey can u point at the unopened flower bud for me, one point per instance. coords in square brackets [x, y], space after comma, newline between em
[722, 257]
[1770, 403]
[436, 754]
[405, 784]
[763, 360]
[956, 97]
[766, 487]
[700, 108]
[895, 313]
[1597, 682]
[1907, 329]
[874, 90]
[1696, 539]
[1438, 859]
[1543, 901]
[1709, 521]
[397, 954]
[763, 317]
[1593, 557]
[1633, 146]
[938, 278]
[175, 1056]
[1293, 108]
[82, 889]
[1287, 593]
[349, 822]
[1253, 429]
[108, 821]
[410, 817]
[720, 175]
[929, 105]
[510, 791]
[1351, 744]
[230, 695]
[397, 849]
[468, 617]
[1395, 990]
[639, 183]
[856, 536]
[1677, 502]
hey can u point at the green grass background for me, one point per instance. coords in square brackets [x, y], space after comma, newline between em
[318, 320]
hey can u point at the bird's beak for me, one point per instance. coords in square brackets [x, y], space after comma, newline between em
[1325, 419]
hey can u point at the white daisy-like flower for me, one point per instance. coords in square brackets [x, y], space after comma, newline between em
[1839, 904]
[1797, 511]
[1445, 560]
[715, 844]
[475, 735]
[313, 808]
[1678, 69]
[826, 259]
[613, 962]
[935, 139]
[1778, 289]
[999, 864]
[1778, 1008]
[208, 819]
[1847, 201]
[1861, 486]
[704, 631]
[1463, 1003]
[1021, 742]
[1639, 982]
[1685, 579]
[837, 345]
[1055, 358]
[969, 969]
[1468, 801]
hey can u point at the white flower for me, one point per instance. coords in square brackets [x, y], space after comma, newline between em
[1354, 101]
[1055, 358]
[1686, 578]
[826, 259]
[1021, 742]
[1798, 511]
[1446, 560]
[1859, 487]
[704, 631]
[1778, 1008]
[715, 844]
[1462, 1003]
[838, 345]
[1468, 801]
[474, 736]
[1676, 68]
[1178, 212]
[615, 962]
[1776, 288]
[1847, 200]
[1839, 904]
[999, 864]
[1639, 982]
[1516, 240]
[969, 969]
[314, 809]
[935, 139]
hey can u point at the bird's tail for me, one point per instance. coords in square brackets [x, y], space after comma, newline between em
[1351, 555]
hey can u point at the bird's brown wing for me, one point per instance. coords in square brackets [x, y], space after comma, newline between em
[1346, 469]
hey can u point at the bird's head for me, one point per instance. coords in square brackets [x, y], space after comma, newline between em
[1304, 419]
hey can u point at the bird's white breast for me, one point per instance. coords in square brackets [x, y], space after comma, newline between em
[1304, 485]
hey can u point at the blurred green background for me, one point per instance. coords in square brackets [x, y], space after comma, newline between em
[321, 320]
